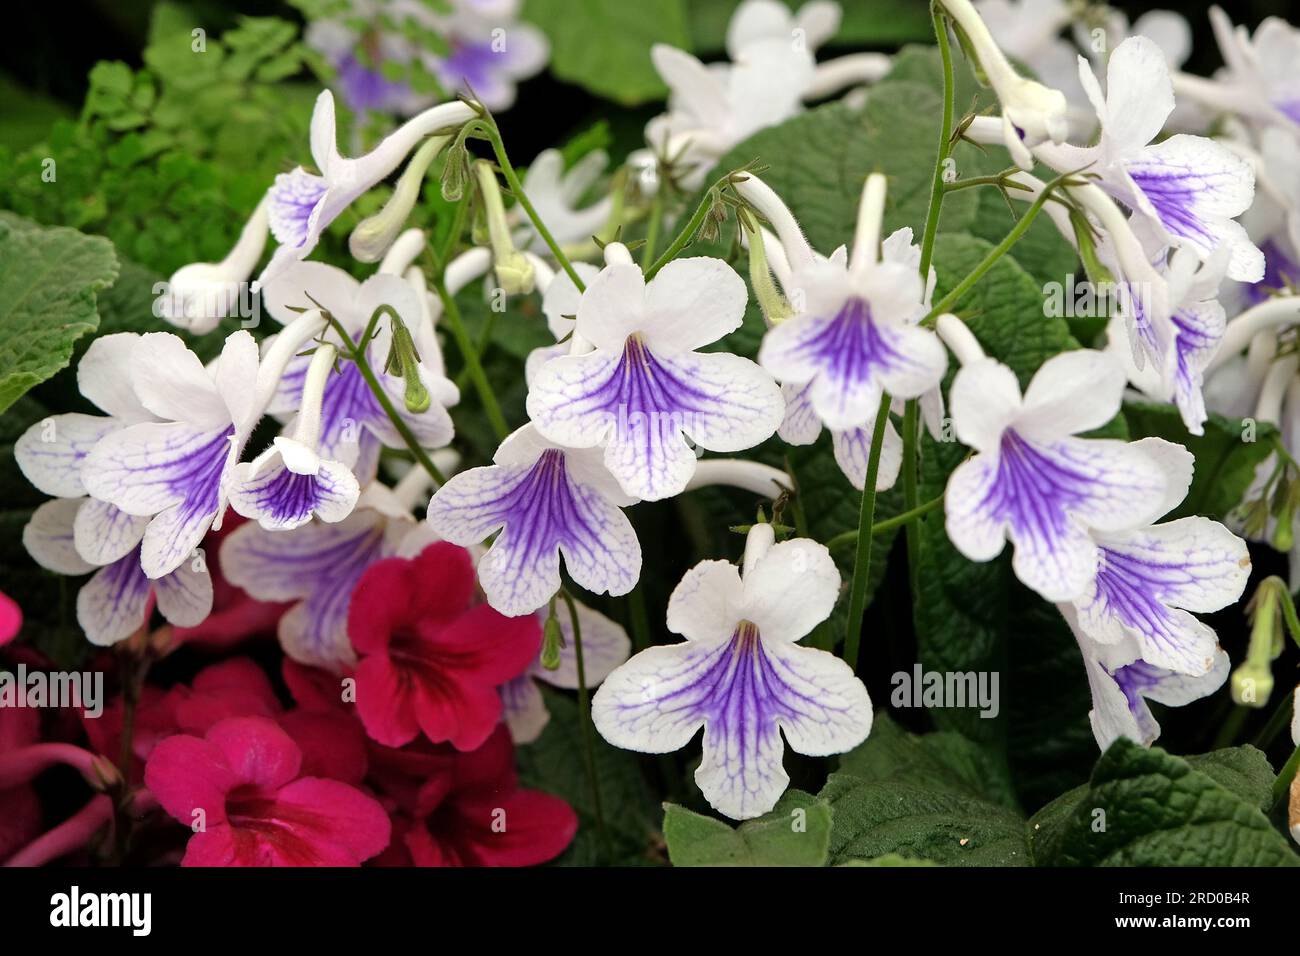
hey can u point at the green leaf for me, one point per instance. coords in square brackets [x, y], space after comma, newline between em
[48, 281]
[554, 763]
[976, 617]
[935, 797]
[889, 859]
[604, 45]
[947, 826]
[936, 761]
[796, 833]
[1146, 807]
[1243, 770]
[1226, 455]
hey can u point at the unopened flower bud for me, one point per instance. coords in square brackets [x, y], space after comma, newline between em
[374, 235]
[404, 360]
[552, 641]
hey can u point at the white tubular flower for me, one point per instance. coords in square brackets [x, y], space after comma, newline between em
[513, 270]
[1033, 482]
[287, 484]
[373, 236]
[742, 676]
[302, 204]
[854, 335]
[201, 294]
[1031, 112]
[1184, 190]
[556, 195]
[644, 388]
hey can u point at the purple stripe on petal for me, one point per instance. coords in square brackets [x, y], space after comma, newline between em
[1176, 194]
[1280, 271]
[294, 199]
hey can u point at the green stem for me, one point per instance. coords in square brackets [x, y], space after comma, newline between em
[638, 619]
[996, 253]
[1231, 728]
[584, 717]
[358, 357]
[849, 537]
[1284, 777]
[652, 231]
[862, 563]
[945, 145]
[469, 352]
[683, 238]
[517, 187]
[1281, 717]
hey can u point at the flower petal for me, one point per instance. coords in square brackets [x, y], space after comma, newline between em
[103, 532]
[49, 539]
[692, 302]
[707, 603]
[790, 590]
[51, 452]
[112, 605]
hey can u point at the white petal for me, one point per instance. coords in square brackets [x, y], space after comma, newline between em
[112, 605]
[48, 537]
[985, 399]
[173, 384]
[707, 603]
[103, 532]
[185, 595]
[50, 453]
[1139, 93]
[613, 307]
[791, 590]
[1070, 393]
[104, 377]
[692, 302]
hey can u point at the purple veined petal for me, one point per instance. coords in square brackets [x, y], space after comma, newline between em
[294, 207]
[605, 645]
[1193, 186]
[1043, 497]
[50, 453]
[538, 357]
[543, 513]
[639, 404]
[104, 532]
[851, 358]
[801, 426]
[171, 470]
[524, 709]
[49, 539]
[1149, 580]
[280, 498]
[1280, 269]
[825, 708]
[112, 605]
[185, 595]
[1200, 328]
[852, 449]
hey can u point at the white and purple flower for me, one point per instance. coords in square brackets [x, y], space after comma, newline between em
[643, 389]
[741, 675]
[1033, 482]
[301, 204]
[174, 469]
[548, 501]
[116, 601]
[353, 425]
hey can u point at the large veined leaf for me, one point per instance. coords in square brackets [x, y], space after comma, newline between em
[604, 45]
[48, 281]
[1146, 807]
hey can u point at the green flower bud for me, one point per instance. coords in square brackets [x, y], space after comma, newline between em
[552, 641]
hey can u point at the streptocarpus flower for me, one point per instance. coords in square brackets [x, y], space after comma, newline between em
[201, 294]
[174, 470]
[1122, 683]
[116, 601]
[741, 676]
[51, 452]
[287, 484]
[1033, 482]
[1176, 350]
[317, 566]
[11, 619]
[243, 780]
[353, 425]
[644, 389]
[302, 204]
[452, 807]
[1150, 579]
[555, 194]
[854, 334]
[759, 21]
[605, 645]
[549, 501]
[1258, 79]
[1186, 189]
[429, 662]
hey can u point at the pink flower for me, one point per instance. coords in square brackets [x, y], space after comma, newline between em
[466, 809]
[11, 619]
[243, 783]
[430, 662]
[20, 809]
